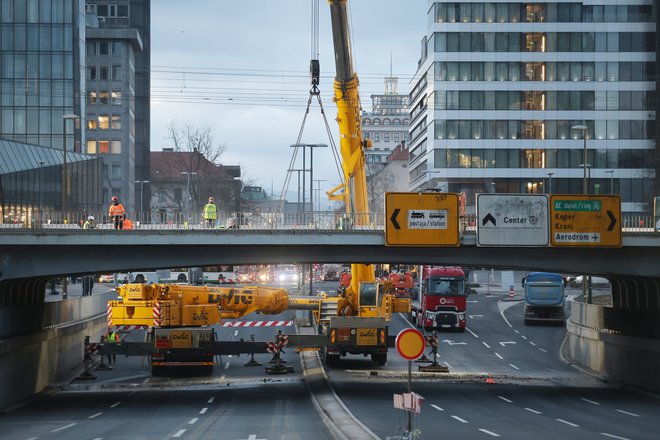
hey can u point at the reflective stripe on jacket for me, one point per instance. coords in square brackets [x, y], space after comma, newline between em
[210, 211]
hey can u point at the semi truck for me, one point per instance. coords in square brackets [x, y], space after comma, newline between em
[544, 297]
[442, 299]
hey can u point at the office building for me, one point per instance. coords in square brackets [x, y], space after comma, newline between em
[506, 92]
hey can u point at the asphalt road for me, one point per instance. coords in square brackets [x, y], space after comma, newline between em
[506, 380]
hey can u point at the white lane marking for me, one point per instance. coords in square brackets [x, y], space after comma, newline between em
[614, 436]
[533, 411]
[236, 333]
[486, 345]
[115, 405]
[516, 331]
[95, 415]
[33, 438]
[211, 400]
[203, 410]
[502, 306]
[62, 428]
[544, 351]
[513, 366]
[447, 364]
[499, 356]
[568, 423]
[223, 377]
[459, 419]
[523, 336]
[473, 301]
[227, 366]
[492, 434]
[193, 421]
[437, 407]
[531, 343]
[590, 401]
[472, 333]
[628, 413]
[179, 433]
[505, 399]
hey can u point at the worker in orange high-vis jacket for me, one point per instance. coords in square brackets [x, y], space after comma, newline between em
[117, 212]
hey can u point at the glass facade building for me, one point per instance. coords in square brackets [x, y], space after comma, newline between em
[501, 86]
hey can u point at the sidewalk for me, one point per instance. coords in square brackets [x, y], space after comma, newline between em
[75, 291]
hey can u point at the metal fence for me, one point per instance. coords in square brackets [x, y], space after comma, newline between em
[259, 221]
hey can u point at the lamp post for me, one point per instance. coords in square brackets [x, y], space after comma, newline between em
[188, 174]
[586, 290]
[64, 171]
[141, 182]
[65, 289]
[611, 173]
[550, 182]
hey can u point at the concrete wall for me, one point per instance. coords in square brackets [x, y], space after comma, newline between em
[633, 360]
[54, 354]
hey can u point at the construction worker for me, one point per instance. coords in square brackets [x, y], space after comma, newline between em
[117, 212]
[89, 223]
[210, 213]
[112, 338]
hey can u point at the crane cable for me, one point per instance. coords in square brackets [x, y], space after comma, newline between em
[314, 90]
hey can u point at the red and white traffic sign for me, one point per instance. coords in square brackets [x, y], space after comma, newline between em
[410, 344]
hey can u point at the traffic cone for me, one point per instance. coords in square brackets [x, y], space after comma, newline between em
[511, 292]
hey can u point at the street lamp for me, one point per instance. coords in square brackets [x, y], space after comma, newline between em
[188, 174]
[64, 171]
[586, 290]
[73, 117]
[611, 173]
[583, 129]
[141, 182]
[550, 182]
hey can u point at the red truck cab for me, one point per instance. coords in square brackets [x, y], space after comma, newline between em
[442, 299]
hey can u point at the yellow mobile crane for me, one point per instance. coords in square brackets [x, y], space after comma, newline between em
[355, 322]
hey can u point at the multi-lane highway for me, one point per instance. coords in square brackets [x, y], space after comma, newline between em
[506, 380]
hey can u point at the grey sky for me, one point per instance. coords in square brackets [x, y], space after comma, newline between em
[241, 68]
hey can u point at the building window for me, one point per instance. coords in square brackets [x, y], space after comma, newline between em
[117, 47]
[116, 123]
[396, 136]
[116, 98]
[104, 73]
[116, 171]
[103, 97]
[91, 147]
[376, 137]
[104, 122]
[116, 73]
[386, 137]
[91, 124]
[104, 48]
[115, 147]
[91, 98]
[92, 73]
[104, 147]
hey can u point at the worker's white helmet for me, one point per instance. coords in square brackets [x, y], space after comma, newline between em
[90, 218]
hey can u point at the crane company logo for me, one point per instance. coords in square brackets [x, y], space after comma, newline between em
[245, 297]
[180, 336]
[203, 316]
[367, 336]
[214, 299]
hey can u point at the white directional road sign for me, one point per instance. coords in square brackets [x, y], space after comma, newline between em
[512, 220]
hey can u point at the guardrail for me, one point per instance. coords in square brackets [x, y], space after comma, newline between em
[640, 323]
[259, 221]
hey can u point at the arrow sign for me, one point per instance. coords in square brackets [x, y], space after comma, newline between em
[454, 343]
[610, 214]
[393, 218]
[504, 344]
[489, 218]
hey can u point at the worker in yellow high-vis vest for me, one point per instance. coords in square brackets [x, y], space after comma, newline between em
[210, 213]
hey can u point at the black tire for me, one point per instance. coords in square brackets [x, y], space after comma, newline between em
[182, 278]
[139, 278]
[379, 358]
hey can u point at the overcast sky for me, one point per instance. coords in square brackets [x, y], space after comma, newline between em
[241, 68]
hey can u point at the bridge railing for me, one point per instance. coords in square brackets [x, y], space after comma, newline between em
[258, 221]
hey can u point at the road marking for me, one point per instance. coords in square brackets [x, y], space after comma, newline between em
[193, 421]
[476, 316]
[505, 399]
[628, 413]
[499, 356]
[502, 307]
[516, 331]
[447, 364]
[115, 405]
[486, 345]
[524, 337]
[472, 333]
[236, 333]
[485, 431]
[533, 411]
[568, 423]
[614, 436]
[95, 415]
[543, 350]
[203, 411]
[437, 407]
[513, 366]
[227, 366]
[505, 343]
[473, 301]
[531, 343]
[62, 428]
[179, 433]
[459, 419]
[590, 401]
[211, 400]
